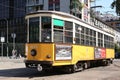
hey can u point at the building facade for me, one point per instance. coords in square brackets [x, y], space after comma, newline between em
[12, 8]
[110, 20]
[12, 21]
[77, 8]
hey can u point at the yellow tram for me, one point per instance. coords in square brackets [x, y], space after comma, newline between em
[60, 40]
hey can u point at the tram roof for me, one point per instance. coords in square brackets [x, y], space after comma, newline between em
[66, 14]
[55, 12]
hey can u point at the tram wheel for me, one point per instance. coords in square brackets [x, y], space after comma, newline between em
[85, 65]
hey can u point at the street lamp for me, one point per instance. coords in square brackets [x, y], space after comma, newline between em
[2, 41]
[7, 36]
[13, 35]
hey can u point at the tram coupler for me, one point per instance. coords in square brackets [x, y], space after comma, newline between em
[39, 67]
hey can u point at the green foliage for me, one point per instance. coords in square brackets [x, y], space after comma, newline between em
[76, 4]
[117, 49]
[116, 4]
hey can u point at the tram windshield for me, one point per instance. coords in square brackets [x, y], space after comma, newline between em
[39, 32]
[34, 29]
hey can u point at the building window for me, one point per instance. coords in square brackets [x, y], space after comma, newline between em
[37, 8]
[50, 3]
[29, 9]
[57, 5]
[86, 2]
[117, 24]
[37, 1]
[50, 6]
[54, 5]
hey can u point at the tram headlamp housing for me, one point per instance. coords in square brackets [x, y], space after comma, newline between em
[33, 52]
[48, 56]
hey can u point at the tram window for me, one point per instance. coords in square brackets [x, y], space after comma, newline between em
[58, 30]
[86, 34]
[68, 33]
[46, 29]
[34, 29]
[58, 34]
[105, 38]
[100, 39]
[77, 37]
[91, 32]
[68, 36]
[83, 36]
[82, 41]
[83, 30]
[112, 44]
[68, 25]
[108, 41]
[78, 33]
[87, 31]
[94, 34]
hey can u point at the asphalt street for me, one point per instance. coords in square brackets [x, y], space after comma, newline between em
[14, 69]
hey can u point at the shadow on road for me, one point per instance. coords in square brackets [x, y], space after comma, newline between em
[27, 73]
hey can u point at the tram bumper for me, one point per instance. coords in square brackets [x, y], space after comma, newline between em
[39, 65]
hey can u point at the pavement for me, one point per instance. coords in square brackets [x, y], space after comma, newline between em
[8, 59]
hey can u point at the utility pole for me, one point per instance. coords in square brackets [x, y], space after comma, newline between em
[7, 36]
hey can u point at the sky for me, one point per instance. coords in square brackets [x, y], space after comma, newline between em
[106, 6]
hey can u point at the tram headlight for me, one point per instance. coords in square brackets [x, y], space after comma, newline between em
[33, 52]
[48, 56]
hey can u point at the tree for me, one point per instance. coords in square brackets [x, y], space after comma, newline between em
[117, 51]
[76, 6]
[116, 4]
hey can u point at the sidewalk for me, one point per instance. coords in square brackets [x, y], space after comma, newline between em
[7, 59]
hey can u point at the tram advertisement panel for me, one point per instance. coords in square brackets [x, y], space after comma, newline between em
[100, 53]
[63, 52]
